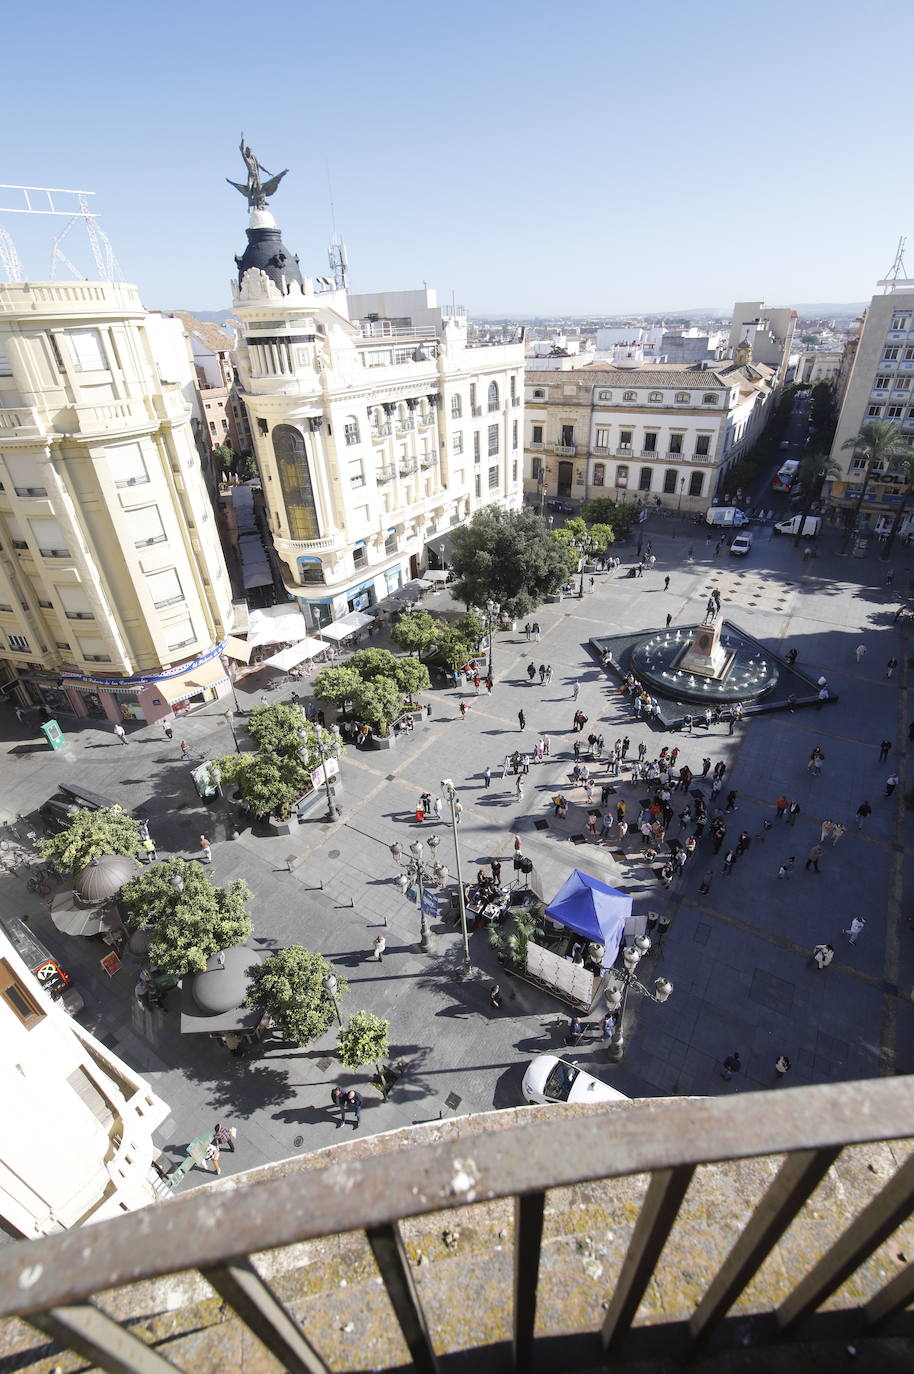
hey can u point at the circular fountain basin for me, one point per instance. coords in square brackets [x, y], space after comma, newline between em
[746, 674]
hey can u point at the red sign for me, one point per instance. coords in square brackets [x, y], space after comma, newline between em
[111, 963]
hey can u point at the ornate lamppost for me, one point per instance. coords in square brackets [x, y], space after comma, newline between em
[326, 750]
[450, 792]
[415, 870]
[492, 611]
[621, 982]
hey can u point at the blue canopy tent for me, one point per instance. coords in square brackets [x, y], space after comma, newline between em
[594, 910]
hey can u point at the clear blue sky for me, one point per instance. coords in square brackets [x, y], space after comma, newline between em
[531, 157]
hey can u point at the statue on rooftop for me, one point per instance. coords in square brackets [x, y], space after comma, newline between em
[254, 189]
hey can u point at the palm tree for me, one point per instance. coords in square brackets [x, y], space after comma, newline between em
[903, 463]
[815, 467]
[878, 441]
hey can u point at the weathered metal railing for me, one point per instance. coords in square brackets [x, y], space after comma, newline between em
[51, 1282]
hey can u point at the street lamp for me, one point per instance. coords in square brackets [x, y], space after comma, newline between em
[623, 980]
[415, 870]
[586, 543]
[326, 752]
[230, 721]
[492, 610]
[331, 987]
[450, 792]
[681, 490]
[545, 474]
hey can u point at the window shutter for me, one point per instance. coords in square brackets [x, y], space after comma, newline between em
[145, 526]
[86, 348]
[126, 464]
[164, 587]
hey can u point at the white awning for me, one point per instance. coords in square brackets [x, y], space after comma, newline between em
[276, 625]
[239, 649]
[342, 629]
[435, 575]
[288, 658]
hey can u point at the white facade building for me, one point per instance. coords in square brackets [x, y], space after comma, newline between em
[375, 426]
[112, 580]
[817, 365]
[768, 331]
[77, 1138]
[649, 433]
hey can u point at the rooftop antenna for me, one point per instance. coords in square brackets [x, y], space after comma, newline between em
[105, 262]
[897, 274]
[337, 255]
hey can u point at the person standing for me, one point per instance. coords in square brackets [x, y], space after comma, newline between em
[206, 850]
[185, 749]
[521, 720]
[536, 631]
[548, 673]
[705, 767]
[436, 808]
[666, 584]
[729, 861]
[531, 671]
[149, 848]
[854, 929]
[575, 691]
[822, 955]
[890, 667]
[380, 944]
[884, 748]
[891, 783]
[495, 997]
[780, 807]
[731, 800]
[732, 1064]
[863, 810]
[542, 673]
[786, 867]
[458, 810]
[464, 707]
[166, 726]
[527, 631]
[793, 810]
[859, 652]
[121, 733]
[353, 1101]
[706, 881]
[487, 777]
[338, 1098]
[781, 1066]
[813, 857]
[519, 786]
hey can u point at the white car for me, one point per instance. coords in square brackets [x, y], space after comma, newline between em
[550, 1079]
[741, 545]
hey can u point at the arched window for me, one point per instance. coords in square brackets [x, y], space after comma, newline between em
[655, 396]
[493, 395]
[682, 397]
[669, 482]
[351, 430]
[539, 394]
[696, 483]
[630, 396]
[622, 475]
[599, 474]
[709, 398]
[295, 482]
[644, 482]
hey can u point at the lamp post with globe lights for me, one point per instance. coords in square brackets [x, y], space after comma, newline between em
[492, 612]
[621, 982]
[327, 750]
[416, 870]
[450, 792]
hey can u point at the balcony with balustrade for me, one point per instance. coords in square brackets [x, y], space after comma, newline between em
[750, 1231]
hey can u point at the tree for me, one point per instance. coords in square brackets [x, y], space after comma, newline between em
[617, 516]
[336, 686]
[903, 464]
[411, 677]
[224, 455]
[416, 632]
[814, 468]
[289, 986]
[879, 442]
[509, 557]
[601, 536]
[364, 1041]
[191, 919]
[90, 835]
[378, 703]
[289, 746]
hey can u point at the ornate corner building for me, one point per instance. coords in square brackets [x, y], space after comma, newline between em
[376, 427]
[114, 596]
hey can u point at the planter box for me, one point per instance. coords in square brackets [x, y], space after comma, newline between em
[383, 741]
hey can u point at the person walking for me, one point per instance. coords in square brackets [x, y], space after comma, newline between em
[527, 631]
[731, 800]
[575, 691]
[891, 666]
[519, 785]
[729, 861]
[121, 733]
[731, 1065]
[149, 848]
[338, 1098]
[537, 632]
[786, 867]
[780, 807]
[185, 749]
[521, 720]
[742, 843]
[705, 767]
[859, 652]
[669, 619]
[487, 777]
[548, 673]
[206, 850]
[353, 1101]
[863, 810]
[531, 671]
[781, 1066]
[793, 810]
[380, 944]
[891, 783]
[706, 881]
[495, 997]
[822, 955]
[666, 584]
[813, 857]
[464, 707]
[458, 810]
[169, 732]
[854, 929]
[884, 748]
[542, 673]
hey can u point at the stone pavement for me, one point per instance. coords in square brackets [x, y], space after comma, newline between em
[738, 957]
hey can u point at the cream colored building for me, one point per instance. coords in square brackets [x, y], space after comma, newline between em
[77, 1138]
[377, 428]
[652, 433]
[817, 365]
[114, 596]
[876, 383]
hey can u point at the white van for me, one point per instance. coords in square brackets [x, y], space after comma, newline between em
[811, 526]
[725, 515]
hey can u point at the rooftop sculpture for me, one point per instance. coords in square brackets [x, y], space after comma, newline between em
[254, 189]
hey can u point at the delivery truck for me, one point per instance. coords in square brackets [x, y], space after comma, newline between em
[726, 515]
[811, 526]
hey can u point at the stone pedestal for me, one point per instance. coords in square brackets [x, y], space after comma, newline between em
[706, 656]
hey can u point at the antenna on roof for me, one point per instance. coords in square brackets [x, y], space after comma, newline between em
[897, 271]
[337, 256]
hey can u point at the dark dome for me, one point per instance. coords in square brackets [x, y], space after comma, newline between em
[267, 252]
[223, 986]
[104, 877]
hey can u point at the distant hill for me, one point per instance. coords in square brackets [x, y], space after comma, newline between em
[848, 309]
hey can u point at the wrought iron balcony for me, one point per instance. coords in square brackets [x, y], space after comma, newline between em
[566, 450]
[464, 1232]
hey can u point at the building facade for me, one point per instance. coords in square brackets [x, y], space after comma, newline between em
[817, 365]
[875, 382]
[114, 596]
[769, 332]
[648, 433]
[376, 427]
[77, 1139]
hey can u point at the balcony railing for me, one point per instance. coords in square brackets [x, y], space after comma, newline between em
[732, 1218]
[382, 431]
[536, 444]
[404, 426]
[384, 475]
[566, 450]
[649, 453]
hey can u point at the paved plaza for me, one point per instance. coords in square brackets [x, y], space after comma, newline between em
[738, 956]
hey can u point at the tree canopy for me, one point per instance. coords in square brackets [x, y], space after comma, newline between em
[289, 747]
[289, 986]
[365, 1040]
[376, 682]
[90, 835]
[510, 557]
[416, 632]
[618, 516]
[191, 920]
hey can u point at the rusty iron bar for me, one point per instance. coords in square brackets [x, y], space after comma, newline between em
[528, 1240]
[247, 1293]
[888, 1209]
[393, 1262]
[215, 1225]
[659, 1211]
[101, 1340]
[797, 1178]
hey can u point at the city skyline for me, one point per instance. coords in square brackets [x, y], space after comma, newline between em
[627, 164]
